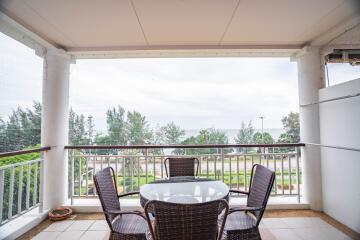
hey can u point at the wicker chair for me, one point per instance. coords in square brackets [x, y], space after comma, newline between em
[179, 167]
[174, 221]
[243, 222]
[124, 225]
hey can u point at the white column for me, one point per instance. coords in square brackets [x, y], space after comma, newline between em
[310, 80]
[54, 127]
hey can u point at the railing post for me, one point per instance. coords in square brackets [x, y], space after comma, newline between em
[20, 188]
[222, 164]
[146, 165]
[72, 180]
[11, 192]
[2, 175]
[297, 175]
[41, 190]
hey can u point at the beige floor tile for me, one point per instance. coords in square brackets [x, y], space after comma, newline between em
[284, 234]
[309, 222]
[46, 236]
[99, 225]
[59, 226]
[274, 223]
[81, 225]
[70, 235]
[95, 235]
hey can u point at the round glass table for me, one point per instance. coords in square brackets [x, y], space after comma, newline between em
[183, 190]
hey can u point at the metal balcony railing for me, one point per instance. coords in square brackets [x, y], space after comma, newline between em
[137, 165]
[20, 183]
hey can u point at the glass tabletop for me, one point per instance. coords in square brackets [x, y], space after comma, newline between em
[181, 191]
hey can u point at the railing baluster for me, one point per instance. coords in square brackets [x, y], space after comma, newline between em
[87, 176]
[297, 175]
[222, 164]
[124, 174]
[275, 170]
[146, 165]
[28, 186]
[207, 166]
[80, 177]
[161, 167]
[117, 171]
[282, 174]
[2, 177]
[230, 171]
[20, 189]
[138, 173]
[237, 173]
[200, 160]
[41, 190]
[72, 176]
[245, 173]
[132, 174]
[154, 167]
[289, 172]
[35, 184]
[215, 158]
[94, 172]
[11, 192]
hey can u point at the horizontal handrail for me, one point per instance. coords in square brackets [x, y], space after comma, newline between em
[189, 155]
[15, 153]
[331, 100]
[335, 147]
[183, 146]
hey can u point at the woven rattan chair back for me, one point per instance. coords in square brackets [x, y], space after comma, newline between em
[261, 183]
[107, 190]
[177, 167]
[187, 221]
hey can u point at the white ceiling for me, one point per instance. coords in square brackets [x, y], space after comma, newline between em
[78, 25]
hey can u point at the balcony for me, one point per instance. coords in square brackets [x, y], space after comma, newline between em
[315, 195]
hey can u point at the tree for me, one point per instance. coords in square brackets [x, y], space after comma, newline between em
[207, 136]
[262, 138]
[90, 128]
[171, 134]
[265, 138]
[291, 125]
[137, 129]
[245, 135]
[77, 132]
[22, 129]
[3, 136]
[116, 125]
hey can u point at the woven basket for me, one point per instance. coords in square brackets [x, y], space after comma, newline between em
[60, 213]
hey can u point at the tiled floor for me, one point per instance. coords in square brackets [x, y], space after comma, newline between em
[293, 228]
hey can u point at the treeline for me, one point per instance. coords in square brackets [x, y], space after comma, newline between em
[23, 129]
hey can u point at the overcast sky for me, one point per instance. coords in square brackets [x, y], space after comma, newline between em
[195, 93]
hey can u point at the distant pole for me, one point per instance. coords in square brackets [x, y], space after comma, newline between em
[262, 132]
[262, 129]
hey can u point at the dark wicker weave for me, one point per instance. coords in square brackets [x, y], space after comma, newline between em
[186, 221]
[181, 167]
[243, 222]
[124, 225]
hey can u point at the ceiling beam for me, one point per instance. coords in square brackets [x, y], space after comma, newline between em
[325, 39]
[13, 29]
[166, 51]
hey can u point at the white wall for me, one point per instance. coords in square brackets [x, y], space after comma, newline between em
[340, 169]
